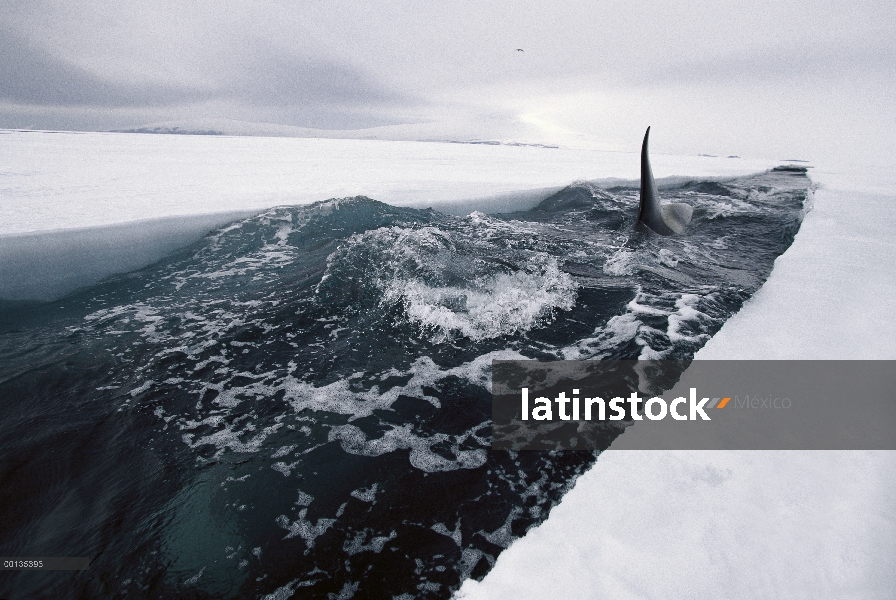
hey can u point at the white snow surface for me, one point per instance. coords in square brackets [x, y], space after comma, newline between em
[699, 524]
[747, 524]
[66, 180]
[832, 294]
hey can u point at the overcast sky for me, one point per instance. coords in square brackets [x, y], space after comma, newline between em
[758, 78]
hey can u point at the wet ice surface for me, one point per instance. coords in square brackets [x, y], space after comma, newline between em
[312, 383]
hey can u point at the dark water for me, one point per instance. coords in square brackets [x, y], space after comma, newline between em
[299, 403]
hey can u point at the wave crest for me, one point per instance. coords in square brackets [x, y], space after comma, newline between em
[447, 282]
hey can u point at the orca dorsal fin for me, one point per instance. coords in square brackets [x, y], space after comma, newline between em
[664, 219]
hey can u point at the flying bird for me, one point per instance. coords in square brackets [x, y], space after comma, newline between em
[519, 49]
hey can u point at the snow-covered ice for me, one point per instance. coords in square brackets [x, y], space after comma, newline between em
[71, 180]
[701, 524]
[124, 201]
[832, 295]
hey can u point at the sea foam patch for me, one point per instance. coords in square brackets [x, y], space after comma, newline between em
[480, 282]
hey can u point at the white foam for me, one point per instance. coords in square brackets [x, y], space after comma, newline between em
[454, 534]
[667, 258]
[195, 578]
[283, 451]
[227, 438]
[449, 292]
[354, 441]
[303, 528]
[366, 494]
[685, 314]
[284, 592]
[356, 545]
[495, 306]
[339, 398]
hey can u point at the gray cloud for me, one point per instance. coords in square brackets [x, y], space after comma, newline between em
[765, 65]
[265, 75]
[249, 78]
[33, 76]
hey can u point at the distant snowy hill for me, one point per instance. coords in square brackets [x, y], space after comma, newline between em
[427, 132]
